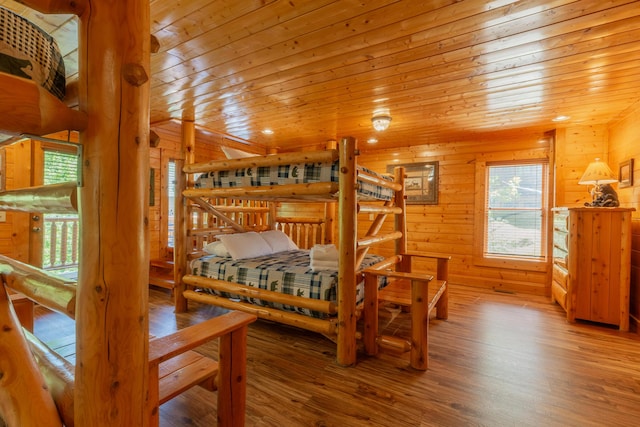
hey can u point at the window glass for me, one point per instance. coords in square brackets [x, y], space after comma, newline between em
[514, 222]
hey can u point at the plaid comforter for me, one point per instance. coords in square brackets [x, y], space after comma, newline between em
[301, 173]
[288, 272]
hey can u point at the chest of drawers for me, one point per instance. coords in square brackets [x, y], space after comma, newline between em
[592, 264]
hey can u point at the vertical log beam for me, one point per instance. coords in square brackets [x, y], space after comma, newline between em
[111, 320]
[330, 208]
[400, 220]
[346, 352]
[180, 239]
[182, 218]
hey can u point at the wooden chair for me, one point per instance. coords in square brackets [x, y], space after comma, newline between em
[419, 292]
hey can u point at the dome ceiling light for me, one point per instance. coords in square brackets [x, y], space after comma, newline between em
[381, 122]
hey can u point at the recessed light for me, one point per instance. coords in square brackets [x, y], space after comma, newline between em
[560, 119]
[267, 131]
[372, 140]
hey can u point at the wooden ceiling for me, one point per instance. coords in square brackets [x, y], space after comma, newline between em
[317, 70]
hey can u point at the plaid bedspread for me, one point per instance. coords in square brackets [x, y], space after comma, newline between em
[301, 173]
[288, 272]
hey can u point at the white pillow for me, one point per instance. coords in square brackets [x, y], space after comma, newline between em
[216, 248]
[245, 245]
[278, 241]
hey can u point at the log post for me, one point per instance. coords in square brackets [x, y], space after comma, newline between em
[112, 316]
[181, 218]
[346, 352]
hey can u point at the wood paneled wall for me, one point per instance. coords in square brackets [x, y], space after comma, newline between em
[634, 309]
[575, 148]
[624, 144]
[448, 227]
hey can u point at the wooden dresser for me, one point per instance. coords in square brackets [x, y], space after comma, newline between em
[592, 264]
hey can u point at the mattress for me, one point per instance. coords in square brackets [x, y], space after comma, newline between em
[27, 51]
[286, 272]
[301, 173]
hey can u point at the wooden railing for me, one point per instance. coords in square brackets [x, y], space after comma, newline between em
[61, 243]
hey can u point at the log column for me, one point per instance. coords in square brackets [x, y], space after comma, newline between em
[112, 299]
[181, 212]
[346, 352]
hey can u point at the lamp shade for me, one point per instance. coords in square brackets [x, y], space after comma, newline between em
[598, 173]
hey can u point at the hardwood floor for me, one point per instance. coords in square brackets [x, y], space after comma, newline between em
[500, 360]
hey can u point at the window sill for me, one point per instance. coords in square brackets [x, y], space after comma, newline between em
[512, 263]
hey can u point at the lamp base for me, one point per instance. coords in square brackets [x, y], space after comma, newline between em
[603, 196]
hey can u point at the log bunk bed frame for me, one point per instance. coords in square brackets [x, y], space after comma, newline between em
[121, 376]
[421, 291]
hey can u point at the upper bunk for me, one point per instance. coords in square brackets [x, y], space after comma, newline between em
[300, 176]
[32, 82]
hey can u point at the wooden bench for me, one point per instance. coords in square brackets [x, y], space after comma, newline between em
[420, 292]
[174, 366]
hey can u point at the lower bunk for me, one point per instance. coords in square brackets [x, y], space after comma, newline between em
[286, 289]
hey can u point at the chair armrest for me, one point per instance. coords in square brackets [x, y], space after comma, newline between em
[166, 347]
[399, 274]
[428, 255]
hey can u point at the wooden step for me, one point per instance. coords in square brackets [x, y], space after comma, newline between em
[166, 264]
[161, 278]
[183, 372]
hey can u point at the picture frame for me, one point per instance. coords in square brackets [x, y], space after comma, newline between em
[625, 174]
[152, 187]
[421, 183]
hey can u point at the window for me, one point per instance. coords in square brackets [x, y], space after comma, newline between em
[61, 231]
[171, 194]
[513, 214]
[513, 205]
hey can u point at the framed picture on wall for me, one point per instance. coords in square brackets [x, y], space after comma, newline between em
[625, 174]
[421, 184]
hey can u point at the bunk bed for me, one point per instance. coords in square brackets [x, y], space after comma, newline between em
[327, 302]
[114, 354]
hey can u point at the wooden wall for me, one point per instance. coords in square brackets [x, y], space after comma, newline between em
[624, 144]
[575, 148]
[448, 227]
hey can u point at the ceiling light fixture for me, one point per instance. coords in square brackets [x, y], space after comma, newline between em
[267, 131]
[381, 122]
[372, 140]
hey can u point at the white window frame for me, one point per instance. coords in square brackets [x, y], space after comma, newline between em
[482, 187]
